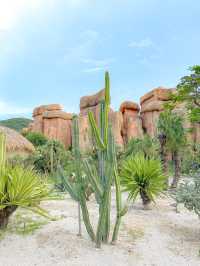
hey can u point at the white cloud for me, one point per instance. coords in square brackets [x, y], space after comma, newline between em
[12, 10]
[145, 43]
[96, 65]
[10, 109]
[94, 69]
[83, 48]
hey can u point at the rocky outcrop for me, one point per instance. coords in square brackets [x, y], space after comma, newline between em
[53, 122]
[92, 103]
[132, 123]
[152, 103]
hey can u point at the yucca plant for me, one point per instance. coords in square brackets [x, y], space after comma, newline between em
[20, 188]
[142, 176]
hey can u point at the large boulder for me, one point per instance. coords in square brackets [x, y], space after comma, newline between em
[152, 103]
[53, 122]
[132, 123]
[116, 120]
[92, 100]
[93, 103]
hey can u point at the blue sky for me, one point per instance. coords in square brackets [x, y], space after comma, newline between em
[55, 51]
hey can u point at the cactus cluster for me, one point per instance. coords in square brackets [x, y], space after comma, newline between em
[101, 177]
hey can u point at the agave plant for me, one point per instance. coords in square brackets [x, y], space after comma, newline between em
[142, 176]
[20, 187]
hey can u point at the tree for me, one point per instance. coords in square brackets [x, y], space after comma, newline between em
[143, 176]
[170, 125]
[188, 91]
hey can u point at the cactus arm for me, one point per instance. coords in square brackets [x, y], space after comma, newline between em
[92, 176]
[95, 131]
[86, 217]
[72, 192]
[118, 206]
[2, 153]
[104, 208]
[107, 88]
[81, 192]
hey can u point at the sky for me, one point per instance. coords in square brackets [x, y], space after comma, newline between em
[55, 51]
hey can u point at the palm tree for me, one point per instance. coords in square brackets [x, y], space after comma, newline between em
[143, 176]
[171, 126]
[20, 188]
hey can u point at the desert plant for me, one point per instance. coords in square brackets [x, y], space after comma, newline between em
[188, 91]
[36, 138]
[147, 145]
[19, 187]
[142, 176]
[48, 157]
[101, 177]
[188, 193]
[171, 126]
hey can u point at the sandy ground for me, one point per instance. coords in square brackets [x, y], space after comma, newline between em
[156, 237]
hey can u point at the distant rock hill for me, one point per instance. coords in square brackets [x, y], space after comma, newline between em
[16, 123]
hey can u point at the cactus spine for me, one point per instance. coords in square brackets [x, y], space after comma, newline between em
[101, 178]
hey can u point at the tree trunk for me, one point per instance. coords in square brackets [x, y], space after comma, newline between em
[176, 170]
[5, 214]
[145, 199]
[163, 157]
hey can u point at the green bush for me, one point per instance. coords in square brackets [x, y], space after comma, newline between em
[188, 193]
[142, 176]
[36, 138]
[190, 159]
[50, 156]
[147, 145]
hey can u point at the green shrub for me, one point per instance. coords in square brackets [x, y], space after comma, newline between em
[48, 157]
[188, 193]
[36, 138]
[190, 159]
[147, 145]
[142, 176]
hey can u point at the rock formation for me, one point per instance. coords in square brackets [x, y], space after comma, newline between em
[132, 123]
[152, 103]
[92, 103]
[53, 122]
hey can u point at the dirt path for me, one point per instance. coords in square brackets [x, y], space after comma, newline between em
[158, 237]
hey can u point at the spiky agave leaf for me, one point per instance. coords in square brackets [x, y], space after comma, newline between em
[24, 188]
[140, 174]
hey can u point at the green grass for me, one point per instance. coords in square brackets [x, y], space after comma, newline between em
[23, 223]
[16, 123]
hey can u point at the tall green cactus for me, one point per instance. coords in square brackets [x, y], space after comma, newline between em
[2, 153]
[101, 178]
